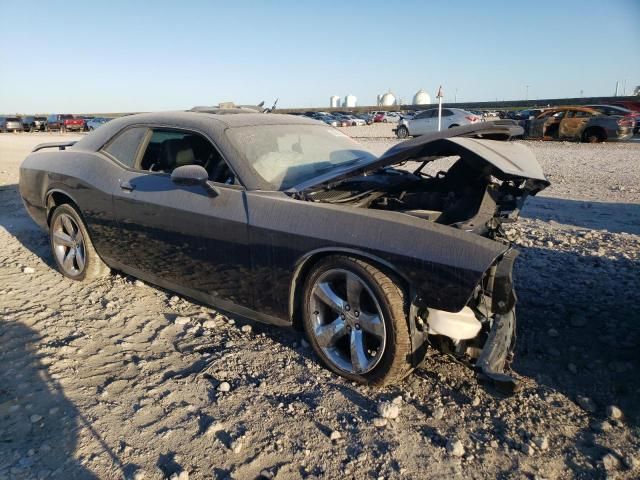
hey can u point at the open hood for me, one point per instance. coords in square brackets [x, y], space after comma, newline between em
[481, 144]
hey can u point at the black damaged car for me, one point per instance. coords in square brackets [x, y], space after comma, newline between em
[285, 220]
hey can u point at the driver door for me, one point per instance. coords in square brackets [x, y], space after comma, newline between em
[183, 237]
[424, 123]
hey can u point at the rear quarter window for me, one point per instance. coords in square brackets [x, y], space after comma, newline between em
[125, 146]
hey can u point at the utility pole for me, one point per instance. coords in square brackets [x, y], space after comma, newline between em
[439, 97]
[616, 94]
[526, 95]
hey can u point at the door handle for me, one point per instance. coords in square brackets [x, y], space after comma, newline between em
[125, 185]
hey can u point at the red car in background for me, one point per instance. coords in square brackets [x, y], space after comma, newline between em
[64, 122]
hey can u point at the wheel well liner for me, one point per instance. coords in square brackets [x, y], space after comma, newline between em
[309, 260]
[56, 198]
[602, 133]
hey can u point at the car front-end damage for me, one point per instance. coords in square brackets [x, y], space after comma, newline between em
[484, 188]
[482, 334]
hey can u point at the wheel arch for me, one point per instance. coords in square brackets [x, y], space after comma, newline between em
[310, 259]
[56, 197]
[599, 130]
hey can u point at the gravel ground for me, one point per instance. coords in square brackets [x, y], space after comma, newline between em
[121, 379]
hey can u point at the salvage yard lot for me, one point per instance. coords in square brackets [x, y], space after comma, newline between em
[121, 378]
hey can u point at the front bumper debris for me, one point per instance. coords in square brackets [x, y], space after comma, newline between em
[497, 353]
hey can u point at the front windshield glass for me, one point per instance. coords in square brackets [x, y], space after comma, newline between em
[287, 155]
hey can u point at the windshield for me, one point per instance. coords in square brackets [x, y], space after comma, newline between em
[286, 155]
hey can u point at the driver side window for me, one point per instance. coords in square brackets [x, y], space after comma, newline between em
[169, 149]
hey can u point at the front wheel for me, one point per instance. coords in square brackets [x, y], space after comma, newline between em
[71, 245]
[355, 317]
[402, 132]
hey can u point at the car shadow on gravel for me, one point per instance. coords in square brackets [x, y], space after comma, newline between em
[578, 334]
[614, 217]
[38, 424]
[15, 220]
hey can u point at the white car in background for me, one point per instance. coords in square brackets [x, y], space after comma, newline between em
[354, 121]
[427, 121]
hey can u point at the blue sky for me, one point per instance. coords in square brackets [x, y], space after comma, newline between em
[114, 56]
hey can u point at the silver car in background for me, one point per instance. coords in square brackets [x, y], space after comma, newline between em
[427, 121]
[11, 124]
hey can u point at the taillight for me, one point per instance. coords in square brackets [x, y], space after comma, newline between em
[472, 118]
[626, 121]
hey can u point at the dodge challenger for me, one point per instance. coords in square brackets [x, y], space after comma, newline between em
[285, 220]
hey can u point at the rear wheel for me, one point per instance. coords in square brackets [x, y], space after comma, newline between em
[72, 247]
[402, 132]
[355, 317]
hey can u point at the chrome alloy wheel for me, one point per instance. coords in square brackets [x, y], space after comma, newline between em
[348, 324]
[68, 245]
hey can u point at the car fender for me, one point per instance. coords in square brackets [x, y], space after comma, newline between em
[443, 264]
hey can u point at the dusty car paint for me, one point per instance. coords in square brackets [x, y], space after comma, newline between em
[246, 251]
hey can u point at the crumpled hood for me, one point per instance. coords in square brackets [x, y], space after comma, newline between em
[478, 143]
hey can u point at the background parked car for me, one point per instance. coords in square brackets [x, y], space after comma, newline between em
[11, 124]
[581, 124]
[620, 111]
[55, 121]
[387, 117]
[64, 122]
[354, 121]
[427, 121]
[96, 122]
[28, 123]
[39, 124]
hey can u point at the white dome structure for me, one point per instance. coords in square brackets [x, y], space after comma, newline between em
[334, 101]
[350, 101]
[387, 100]
[421, 98]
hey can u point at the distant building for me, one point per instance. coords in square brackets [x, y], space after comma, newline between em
[334, 101]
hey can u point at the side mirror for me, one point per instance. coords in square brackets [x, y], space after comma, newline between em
[193, 175]
[189, 175]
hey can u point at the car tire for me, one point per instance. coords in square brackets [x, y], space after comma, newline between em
[362, 335]
[385, 121]
[402, 132]
[71, 246]
[592, 135]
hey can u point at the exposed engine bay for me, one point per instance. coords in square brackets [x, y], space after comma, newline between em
[465, 197]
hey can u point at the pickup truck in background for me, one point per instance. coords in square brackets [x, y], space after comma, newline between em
[64, 122]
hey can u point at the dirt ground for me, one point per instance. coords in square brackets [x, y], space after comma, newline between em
[119, 379]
